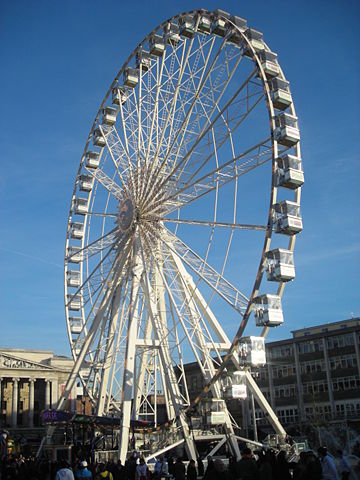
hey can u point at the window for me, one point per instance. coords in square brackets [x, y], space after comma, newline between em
[340, 341]
[283, 351]
[313, 366]
[345, 383]
[311, 346]
[283, 371]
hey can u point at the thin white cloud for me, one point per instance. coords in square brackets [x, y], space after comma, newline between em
[33, 257]
[325, 254]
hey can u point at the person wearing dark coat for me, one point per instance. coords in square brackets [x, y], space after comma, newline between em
[264, 467]
[200, 467]
[179, 470]
[283, 466]
[246, 467]
[191, 472]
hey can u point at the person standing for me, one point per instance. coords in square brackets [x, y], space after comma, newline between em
[328, 467]
[65, 472]
[83, 471]
[104, 473]
[343, 465]
[246, 467]
[142, 470]
[160, 467]
[191, 472]
[200, 467]
[179, 470]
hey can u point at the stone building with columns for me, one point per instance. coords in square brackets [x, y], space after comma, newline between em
[31, 381]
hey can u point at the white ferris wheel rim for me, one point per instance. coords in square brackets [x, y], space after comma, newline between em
[219, 284]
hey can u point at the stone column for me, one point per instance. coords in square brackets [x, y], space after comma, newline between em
[31, 401]
[54, 392]
[47, 394]
[1, 399]
[14, 412]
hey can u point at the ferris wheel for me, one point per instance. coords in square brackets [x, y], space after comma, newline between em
[182, 222]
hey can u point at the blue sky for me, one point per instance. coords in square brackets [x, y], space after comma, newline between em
[58, 60]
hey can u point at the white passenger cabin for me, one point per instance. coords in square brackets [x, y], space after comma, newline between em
[143, 59]
[73, 302]
[156, 45]
[92, 159]
[234, 36]
[289, 172]
[240, 23]
[86, 183]
[268, 310]
[269, 63]
[98, 138]
[256, 40]
[286, 129]
[119, 95]
[73, 254]
[219, 26]
[73, 278]
[172, 33]
[81, 206]
[187, 26]
[204, 25]
[75, 325]
[109, 115]
[76, 230]
[280, 93]
[251, 351]
[131, 77]
[235, 387]
[280, 265]
[214, 411]
[287, 218]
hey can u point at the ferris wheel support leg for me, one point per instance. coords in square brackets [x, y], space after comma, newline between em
[140, 380]
[193, 300]
[129, 364]
[109, 353]
[166, 363]
[265, 406]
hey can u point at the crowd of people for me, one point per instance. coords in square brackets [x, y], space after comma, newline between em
[258, 465]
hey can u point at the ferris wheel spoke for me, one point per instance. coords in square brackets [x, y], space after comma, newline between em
[204, 271]
[120, 156]
[199, 335]
[108, 183]
[81, 288]
[101, 243]
[172, 107]
[223, 128]
[107, 290]
[198, 75]
[181, 114]
[236, 118]
[239, 226]
[204, 97]
[118, 355]
[110, 350]
[185, 303]
[185, 193]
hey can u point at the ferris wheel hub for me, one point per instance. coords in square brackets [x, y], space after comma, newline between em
[126, 215]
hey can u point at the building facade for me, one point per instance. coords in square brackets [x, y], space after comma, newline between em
[31, 381]
[311, 378]
[315, 375]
